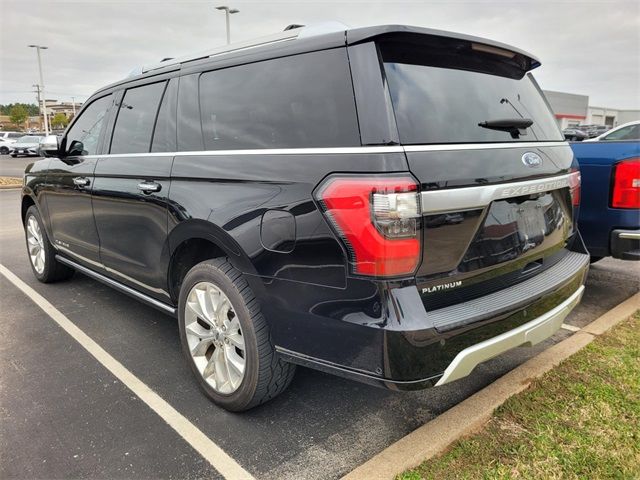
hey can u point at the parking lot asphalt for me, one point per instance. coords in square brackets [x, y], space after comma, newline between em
[62, 414]
[14, 167]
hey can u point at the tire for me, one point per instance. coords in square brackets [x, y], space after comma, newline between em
[4, 150]
[264, 375]
[46, 269]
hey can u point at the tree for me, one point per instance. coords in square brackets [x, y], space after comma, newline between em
[18, 115]
[32, 109]
[59, 120]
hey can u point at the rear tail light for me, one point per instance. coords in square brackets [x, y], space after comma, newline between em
[626, 184]
[575, 186]
[377, 218]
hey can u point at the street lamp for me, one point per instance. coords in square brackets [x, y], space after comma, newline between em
[44, 99]
[228, 11]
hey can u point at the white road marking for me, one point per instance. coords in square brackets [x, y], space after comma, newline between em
[571, 328]
[211, 452]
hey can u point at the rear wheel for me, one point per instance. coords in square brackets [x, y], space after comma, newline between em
[41, 253]
[226, 339]
[4, 150]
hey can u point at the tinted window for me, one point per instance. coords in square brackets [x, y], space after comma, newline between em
[299, 101]
[164, 135]
[188, 118]
[632, 132]
[136, 118]
[445, 105]
[15, 135]
[82, 137]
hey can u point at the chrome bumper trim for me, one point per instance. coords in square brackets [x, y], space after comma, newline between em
[529, 334]
[629, 235]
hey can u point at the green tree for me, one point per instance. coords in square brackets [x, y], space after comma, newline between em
[18, 114]
[59, 120]
[32, 109]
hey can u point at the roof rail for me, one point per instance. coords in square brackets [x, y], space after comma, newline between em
[287, 35]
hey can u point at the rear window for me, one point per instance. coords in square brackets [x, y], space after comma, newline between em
[434, 104]
[299, 101]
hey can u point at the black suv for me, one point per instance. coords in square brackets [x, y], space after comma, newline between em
[391, 204]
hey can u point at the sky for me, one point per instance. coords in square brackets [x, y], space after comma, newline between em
[586, 47]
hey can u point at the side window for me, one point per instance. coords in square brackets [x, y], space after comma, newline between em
[136, 117]
[632, 132]
[299, 101]
[83, 136]
[164, 135]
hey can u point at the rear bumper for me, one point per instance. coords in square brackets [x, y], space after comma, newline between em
[410, 350]
[625, 244]
[528, 334]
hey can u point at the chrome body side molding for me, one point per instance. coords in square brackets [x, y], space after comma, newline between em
[118, 286]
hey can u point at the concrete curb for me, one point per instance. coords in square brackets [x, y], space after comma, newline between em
[471, 415]
[11, 187]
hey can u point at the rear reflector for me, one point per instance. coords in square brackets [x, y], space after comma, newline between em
[626, 184]
[575, 187]
[377, 219]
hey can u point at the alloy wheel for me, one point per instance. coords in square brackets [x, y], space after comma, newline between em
[214, 337]
[35, 244]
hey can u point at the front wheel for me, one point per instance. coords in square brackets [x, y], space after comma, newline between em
[226, 339]
[41, 253]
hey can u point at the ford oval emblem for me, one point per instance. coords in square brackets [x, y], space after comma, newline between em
[531, 159]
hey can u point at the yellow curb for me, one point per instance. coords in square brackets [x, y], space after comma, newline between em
[471, 414]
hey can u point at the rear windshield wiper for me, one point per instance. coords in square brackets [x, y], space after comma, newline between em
[514, 126]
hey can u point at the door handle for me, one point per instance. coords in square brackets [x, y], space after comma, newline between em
[148, 187]
[81, 181]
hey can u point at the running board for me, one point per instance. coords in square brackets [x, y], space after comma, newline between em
[118, 286]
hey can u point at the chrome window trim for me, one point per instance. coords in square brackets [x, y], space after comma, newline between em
[340, 150]
[481, 146]
[472, 198]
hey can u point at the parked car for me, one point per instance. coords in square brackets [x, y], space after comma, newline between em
[27, 145]
[626, 131]
[575, 134]
[600, 129]
[299, 203]
[610, 210]
[4, 145]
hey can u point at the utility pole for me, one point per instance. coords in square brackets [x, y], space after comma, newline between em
[37, 90]
[228, 11]
[73, 105]
[44, 98]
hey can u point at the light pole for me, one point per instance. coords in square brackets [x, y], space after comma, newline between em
[73, 104]
[44, 98]
[228, 11]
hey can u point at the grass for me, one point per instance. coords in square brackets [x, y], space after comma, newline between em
[580, 420]
[10, 181]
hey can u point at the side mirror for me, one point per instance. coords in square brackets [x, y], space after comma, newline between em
[49, 146]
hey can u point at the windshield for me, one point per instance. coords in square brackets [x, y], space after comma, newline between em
[445, 105]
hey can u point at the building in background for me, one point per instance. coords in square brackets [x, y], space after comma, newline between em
[571, 109]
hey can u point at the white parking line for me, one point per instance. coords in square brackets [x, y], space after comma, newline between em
[217, 457]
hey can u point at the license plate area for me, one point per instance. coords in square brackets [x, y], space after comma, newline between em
[516, 226]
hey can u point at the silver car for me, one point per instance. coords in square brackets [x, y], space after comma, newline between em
[27, 145]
